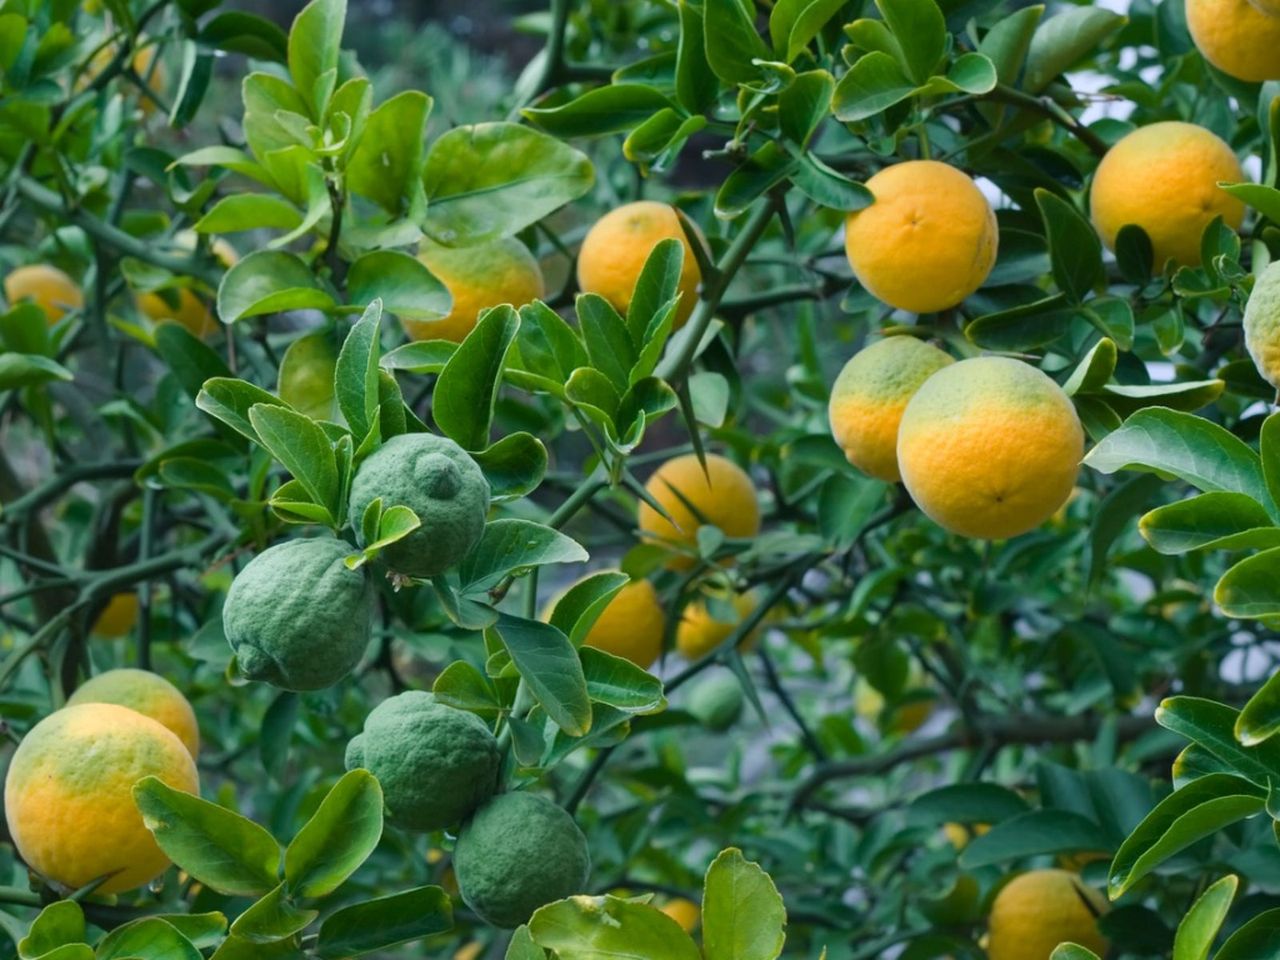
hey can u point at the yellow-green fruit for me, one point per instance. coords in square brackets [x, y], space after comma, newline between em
[723, 496]
[477, 278]
[1035, 912]
[438, 481]
[989, 447]
[150, 695]
[68, 795]
[632, 625]
[684, 912]
[296, 617]
[181, 306]
[1262, 324]
[436, 764]
[959, 834]
[869, 396]
[1164, 178]
[717, 701]
[47, 287]
[617, 246]
[518, 852]
[907, 715]
[118, 617]
[705, 626]
[1238, 37]
[927, 242]
[959, 905]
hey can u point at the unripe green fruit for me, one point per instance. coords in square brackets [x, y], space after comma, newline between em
[962, 904]
[717, 701]
[437, 480]
[296, 617]
[1262, 324]
[519, 852]
[436, 764]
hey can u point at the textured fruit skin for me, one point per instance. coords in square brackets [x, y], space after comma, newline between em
[700, 631]
[437, 480]
[632, 625]
[48, 287]
[927, 242]
[617, 246]
[118, 617]
[869, 396]
[684, 912]
[296, 617]
[989, 447]
[1262, 324]
[150, 695]
[723, 496]
[717, 701]
[518, 852]
[436, 764]
[1036, 911]
[68, 795]
[1237, 37]
[1164, 178]
[477, 278]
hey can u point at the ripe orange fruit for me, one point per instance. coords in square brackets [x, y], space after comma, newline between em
[47, 287]
[478, 278]
[1240, 38]
[723, 497]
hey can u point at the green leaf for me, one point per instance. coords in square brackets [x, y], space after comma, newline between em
[610, 345]
[617, 108]
[1259, 719]
[462, 686]
[509, 546]
[402, 282]
[743, 917]
[1031, 834]
[794, 23]
[1198, 810]
[1213, 521]
[217, 846]
[149, 938]
[238, 32]
[599, 928]
[1199, 928]
[1212, 725]
[657, 284]
[522, 946]
[274, 917]
[492, 180]
[249, 211]
[921, 34]
[337, 839]
[729, 32]
[1264, 199]
[1063, 41]
[356, 372]
[26, 370]
[57, 925]
[576, 612]
[966, 803]
[1075, 251]
[757, 175]
[514, 466]
[620, 683]
[872, 85]
[1135, 255]
[230, 401]
[696, 84]
[1093, 372]
[386, 166]
[464, 397]
[385, 922]
[1072, 951]
[1249, 589]
[1269, 451]
[307, 375]
[971, 73]
[1255, 940]
[304, 450]
[269, 281]
[315, 41]
[1191, 448]
[550, 667]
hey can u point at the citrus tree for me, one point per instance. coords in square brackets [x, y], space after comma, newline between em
[793, 479]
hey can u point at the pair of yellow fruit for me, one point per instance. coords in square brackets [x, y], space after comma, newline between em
[68, 794]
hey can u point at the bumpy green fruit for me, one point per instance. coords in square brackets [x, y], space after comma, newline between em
[437, 480]
[1262, 324]
[436, 764]
[518, 852]
[296, 617]
[717, 701]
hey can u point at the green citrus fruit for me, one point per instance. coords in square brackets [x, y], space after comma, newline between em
[296, 617]
[436, 764]
[437, 480]
[717, 701]
[518, 852]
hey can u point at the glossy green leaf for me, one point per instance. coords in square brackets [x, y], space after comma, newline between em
[872, 85]
[1214, 521]
[1062, 41]
[510, 545]
[617, 108]
[1093, 372]
[1212, 725]
[743, 917]
[355, 380]
[386, 166]
[25, 370]
[59, 924]
[1034, 833]
[921, 34]
[230, 400]
[514, 466]
[304, 449]
[337, 839]
[1257, 939]
[597, 928]
[384, 922]
[315, 41]
[732, 42]
[402, 282]
[274, 917]
[249, 211]
[1249, 589]
[1259, 718]
[1199, 928]
[620, 683]
[576, 611]
[465, 394]
[147, 939]
[269, 281]
[1075, 251]
[306, 380]
[551, 668]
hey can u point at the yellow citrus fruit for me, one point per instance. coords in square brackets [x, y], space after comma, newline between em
[617, 246]
[989, 447]
[702, 627]
[477, 278]
[118, 617]
[469, 951]
[907, 716]
[927, 242]
[1164, 177]
[150, 695]
[1262, 324]
[181, 304]
[1270, 7]
[632, 625]
[869, 396]
[68, 795]
[156, 79]
[1035, 912]
[684, 912]
[961, 833]
[47, 287]
[723, 496]
[1240, 38]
